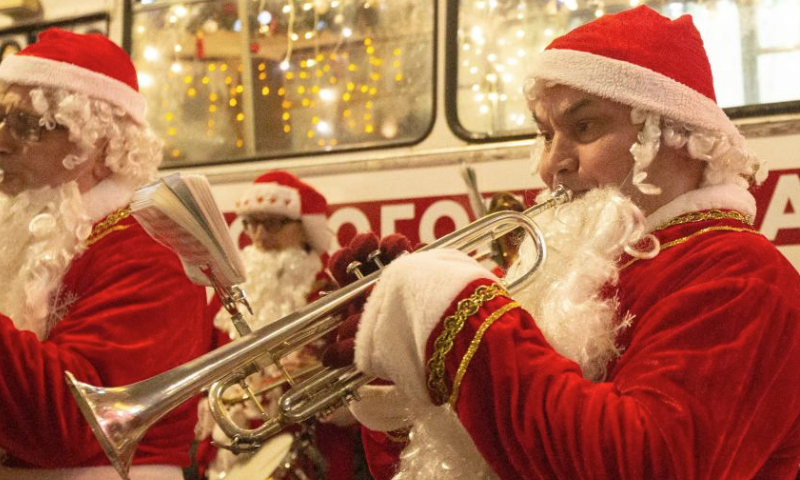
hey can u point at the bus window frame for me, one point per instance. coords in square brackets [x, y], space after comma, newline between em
[128, 13]
[744, 112]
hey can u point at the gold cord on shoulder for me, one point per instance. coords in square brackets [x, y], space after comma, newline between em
[452, 325]
[678, 241]
[108, 225]
[693, 217]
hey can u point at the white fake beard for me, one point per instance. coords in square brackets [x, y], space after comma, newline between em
[278, 283]
[42, 231]
[584, 240]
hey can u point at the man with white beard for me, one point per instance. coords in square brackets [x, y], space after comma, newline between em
[83, 287]
[662, 338]
[286, 220]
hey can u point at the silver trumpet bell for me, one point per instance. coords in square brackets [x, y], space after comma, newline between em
[120, 416]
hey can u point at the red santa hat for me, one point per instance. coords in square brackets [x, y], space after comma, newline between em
[643, 59]
[89, 64]
[281, 193]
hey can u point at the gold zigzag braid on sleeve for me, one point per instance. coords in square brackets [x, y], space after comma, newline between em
[473, 347]
[108, 225]
[452, 325]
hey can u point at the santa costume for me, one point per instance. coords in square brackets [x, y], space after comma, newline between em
[279, 282]
[662, 347]
[113, 306]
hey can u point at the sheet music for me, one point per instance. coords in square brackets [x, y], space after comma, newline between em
[180, 212]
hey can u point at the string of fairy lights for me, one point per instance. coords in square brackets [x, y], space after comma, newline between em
[317, 74]
[326, 74]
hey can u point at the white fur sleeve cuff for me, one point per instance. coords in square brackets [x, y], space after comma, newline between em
[402, 311]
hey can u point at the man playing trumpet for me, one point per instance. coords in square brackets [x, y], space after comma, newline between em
[661, 340]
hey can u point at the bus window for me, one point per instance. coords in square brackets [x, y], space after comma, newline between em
[753, 47]
[230, 80]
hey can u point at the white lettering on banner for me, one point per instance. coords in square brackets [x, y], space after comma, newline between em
[777, 216]
[437, 210]
[346, 215]
[390, 214]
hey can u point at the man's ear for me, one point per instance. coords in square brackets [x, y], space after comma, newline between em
[100, 170]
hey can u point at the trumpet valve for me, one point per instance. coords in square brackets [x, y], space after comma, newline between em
[354, 269]
[375, 257]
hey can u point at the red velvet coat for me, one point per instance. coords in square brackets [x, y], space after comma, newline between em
[135, 315]
[707, 386]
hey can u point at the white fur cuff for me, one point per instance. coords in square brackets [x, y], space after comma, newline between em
[406, 305]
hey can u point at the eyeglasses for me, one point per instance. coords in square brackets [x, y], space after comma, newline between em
[23, 126]
[269, 224]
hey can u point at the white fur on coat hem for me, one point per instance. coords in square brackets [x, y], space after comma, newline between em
[728, 197]
[137, 472]
[406, 305]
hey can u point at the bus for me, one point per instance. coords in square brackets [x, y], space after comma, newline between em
[389, 106]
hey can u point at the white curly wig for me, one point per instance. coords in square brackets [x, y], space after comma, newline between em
[728, 161]
[659, 67]
[133, 151]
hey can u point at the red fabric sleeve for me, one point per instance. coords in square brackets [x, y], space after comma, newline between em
[382, 452]
[703, 390]
[134, 315]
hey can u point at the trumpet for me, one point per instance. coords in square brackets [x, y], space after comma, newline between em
[120, 416]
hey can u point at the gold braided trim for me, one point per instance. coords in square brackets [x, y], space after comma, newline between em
[693, 217]
[678, 241]
[108, 225]
[452, 325]
[473, 347]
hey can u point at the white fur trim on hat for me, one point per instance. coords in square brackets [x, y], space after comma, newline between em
[42, 72]
[270, 198]
[634, 86]
[725, 196]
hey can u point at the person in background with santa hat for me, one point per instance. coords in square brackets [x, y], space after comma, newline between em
[286, 220]
[661, 339]
[83, 287]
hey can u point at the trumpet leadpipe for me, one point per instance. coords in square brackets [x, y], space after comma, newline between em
[120, 416]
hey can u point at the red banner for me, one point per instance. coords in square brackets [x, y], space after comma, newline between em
[426, 218]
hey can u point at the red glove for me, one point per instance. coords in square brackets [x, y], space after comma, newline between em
[363, 255]
[369, 252]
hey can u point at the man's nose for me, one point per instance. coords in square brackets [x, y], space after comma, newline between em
[7, 141]
[559, 160]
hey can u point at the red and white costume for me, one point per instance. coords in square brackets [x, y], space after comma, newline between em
[108, 303]
[130, 313]
[279, 282]
[705, 388]
[697, 335]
